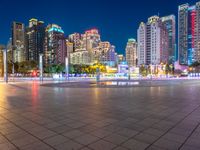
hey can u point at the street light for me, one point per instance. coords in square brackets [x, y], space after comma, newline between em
[5, 61]
[67, 67]
[41, 66]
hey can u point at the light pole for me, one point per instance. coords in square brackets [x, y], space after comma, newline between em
[5, 61]
[41, 66]
[67, 67]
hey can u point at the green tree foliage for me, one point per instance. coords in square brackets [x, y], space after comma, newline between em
[59, 68]
[88, 69]
[143, 71]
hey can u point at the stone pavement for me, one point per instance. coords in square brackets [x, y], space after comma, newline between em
[34, 117]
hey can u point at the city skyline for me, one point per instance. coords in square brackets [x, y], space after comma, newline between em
[116, 22]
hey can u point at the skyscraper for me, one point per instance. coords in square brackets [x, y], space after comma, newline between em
[35, 35]
[170, 24]
[76, 40]
[53, 47]
[131, 53]
[189, 33]
[18, 42]
[152, 42]
[91, 39]
[141, 38]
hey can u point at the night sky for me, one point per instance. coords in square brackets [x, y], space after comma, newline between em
[117, 20]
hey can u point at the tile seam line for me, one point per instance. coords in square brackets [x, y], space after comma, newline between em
[173, 127]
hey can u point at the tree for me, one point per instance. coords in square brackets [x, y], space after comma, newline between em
[143, 70]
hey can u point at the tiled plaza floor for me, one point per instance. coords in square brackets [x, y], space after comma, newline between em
[34, 117]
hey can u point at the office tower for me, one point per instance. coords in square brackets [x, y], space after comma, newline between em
[141, 37]
[80, 57]
[53, 47]
[131, 53]
[170, 24]
[107, 54]
[9, 51]
[91, 39]
[70, 47]
[104, 47]
[152, 42]
[189, 33]
[76, 40]
[18, 42]
[35, 35]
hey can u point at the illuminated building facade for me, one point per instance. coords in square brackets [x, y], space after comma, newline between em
[131, 53]
[35, 35]
[18, 42]
[152, 42]
[141, 37]
[61, 52]
[76, 40]
[107, 54]
[189, 33]
[80, 57]
[91, 39]
[53, 47]
[170, 24]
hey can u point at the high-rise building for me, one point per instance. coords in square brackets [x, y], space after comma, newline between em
[91, 39]
[76, 40]
[18, 42]
[170, 24]
[189, 33]
[35, 35]
[141, 37]
[54, 44]
[152, 42]
[80, 57]
[131, 53]
[9, 51]
[61, 52]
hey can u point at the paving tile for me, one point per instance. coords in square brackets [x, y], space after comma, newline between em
[116, 139]
[24, 141]
[189, 147]
[193, 142]
[155, 132]
[174, 137]
[73, 134]
[166, 144]
[37, 146]
[135, 145]
[102, 145]
[127, 132]
[101, 133]
[44, 134]
[120, 148]
[7, 146]
[86, 139]
[146, 138]
[155, 148]
[56, 140]
[69, 145]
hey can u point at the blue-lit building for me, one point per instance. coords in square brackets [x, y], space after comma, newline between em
[55, 46]
[169, 23]
[189, 33]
